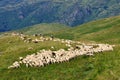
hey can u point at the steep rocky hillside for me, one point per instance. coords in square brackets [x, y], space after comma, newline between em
[16, 14]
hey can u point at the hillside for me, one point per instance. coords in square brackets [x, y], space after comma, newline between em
[104, 66]
[44, 28]
[105, 30]
[17, 14]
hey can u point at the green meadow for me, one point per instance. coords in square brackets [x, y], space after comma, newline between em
[102, 66]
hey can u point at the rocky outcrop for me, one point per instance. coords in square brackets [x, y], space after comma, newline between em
[17, 14]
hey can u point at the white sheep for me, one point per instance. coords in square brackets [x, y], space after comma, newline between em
[44, 57]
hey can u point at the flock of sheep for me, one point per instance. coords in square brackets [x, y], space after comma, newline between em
[45, 57]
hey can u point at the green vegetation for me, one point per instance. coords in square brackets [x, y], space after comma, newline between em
[104, 30]
[104, 66]
[17, 14]
[44, 28]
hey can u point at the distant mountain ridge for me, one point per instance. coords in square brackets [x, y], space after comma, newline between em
[15, 14]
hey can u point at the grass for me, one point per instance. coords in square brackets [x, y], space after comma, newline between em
[105, 30]
[12, 47]
[103, 66]
[44, 28]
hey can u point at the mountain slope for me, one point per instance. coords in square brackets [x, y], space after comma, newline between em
[44, 28]
[17, 14]
[104, 30]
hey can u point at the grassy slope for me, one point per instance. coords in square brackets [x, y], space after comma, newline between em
[104, 30]
[99, 67]
[44, 28]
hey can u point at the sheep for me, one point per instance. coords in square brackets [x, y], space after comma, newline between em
[40, 34]
[52, 47]
[35, 35]
[35, 41]
[29, 39]
[14, 65]
[23, 37]
[46, 57]
[21, 58]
